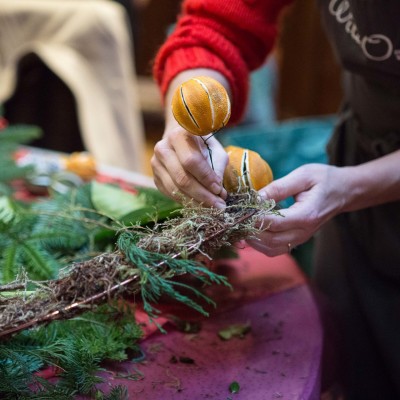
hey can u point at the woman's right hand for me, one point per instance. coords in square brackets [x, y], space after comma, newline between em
[181, 167]
[181, 161]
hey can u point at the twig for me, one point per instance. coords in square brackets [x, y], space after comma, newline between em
[10, 287]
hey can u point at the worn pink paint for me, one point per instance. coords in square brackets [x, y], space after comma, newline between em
[279, 359]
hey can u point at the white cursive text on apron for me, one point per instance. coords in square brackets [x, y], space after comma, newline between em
[376, 47]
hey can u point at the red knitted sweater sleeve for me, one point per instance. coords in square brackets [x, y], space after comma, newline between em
[231, 36]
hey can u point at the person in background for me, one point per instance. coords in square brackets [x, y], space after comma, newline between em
[352, 205]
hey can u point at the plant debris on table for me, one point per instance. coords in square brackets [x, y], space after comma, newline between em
[236, 330]
[234, 387]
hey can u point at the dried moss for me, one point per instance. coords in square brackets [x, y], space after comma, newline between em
[197, 230]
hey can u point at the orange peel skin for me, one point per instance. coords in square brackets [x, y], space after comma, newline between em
[201, 105]
[246, 170]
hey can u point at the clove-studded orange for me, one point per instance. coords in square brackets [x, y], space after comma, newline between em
[245, 170]
[201, 105]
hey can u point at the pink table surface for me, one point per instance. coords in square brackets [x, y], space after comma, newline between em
[280, 358]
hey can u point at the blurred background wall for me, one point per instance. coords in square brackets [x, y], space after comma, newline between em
[308, 81]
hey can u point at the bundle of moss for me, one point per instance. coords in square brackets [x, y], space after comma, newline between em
[146, 260]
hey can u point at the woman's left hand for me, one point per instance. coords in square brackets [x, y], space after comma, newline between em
[320, 192]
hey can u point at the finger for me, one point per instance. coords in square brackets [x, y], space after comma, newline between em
[162, 180]
[292, 218]
[194, 155]
[269, 251]
[173, 179]
[295, 182]
[167, 186]
[273, 244]
[180, 148]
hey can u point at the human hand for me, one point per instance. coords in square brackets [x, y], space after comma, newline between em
[320, 192]
[181, 162]
[181, 166]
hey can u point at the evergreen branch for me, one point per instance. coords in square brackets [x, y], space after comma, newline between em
[41, 261]
[80, 368]
[19, 134]
[134, 268]
[111, 264]
[154, 283]
[75, 347]
[10, 255]
[78, 218]
[7, 211]
[44, 390]
[116, 393]
[9, 171]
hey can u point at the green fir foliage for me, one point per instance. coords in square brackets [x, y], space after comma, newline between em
[40, 238]
[154, 283]
[76, 347]
[10, 139]
[44, 237]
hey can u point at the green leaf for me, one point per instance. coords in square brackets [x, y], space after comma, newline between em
[158, 207]
[149, 214]
[235, 330]
[113, 201]
[234, 387]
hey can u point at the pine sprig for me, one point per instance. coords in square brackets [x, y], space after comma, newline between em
[116, 393]
[81, 368]
[157, 279]
[42, 237]
[19, 134]
[10, 139]
[76, 347]
[40, 242]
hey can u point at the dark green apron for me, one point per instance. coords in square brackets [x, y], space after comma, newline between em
[357, 261]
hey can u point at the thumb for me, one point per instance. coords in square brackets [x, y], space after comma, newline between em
[285, 187]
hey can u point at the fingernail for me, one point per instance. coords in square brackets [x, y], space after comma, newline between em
[223, 194]
[216, 189]
[220, 205]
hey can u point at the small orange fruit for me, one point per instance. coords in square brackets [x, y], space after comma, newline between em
[82, 164]
[245, 170]
[201, 105]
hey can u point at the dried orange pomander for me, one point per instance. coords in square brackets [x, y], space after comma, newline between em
[245, 170]
[201, 105]
[82, 164]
